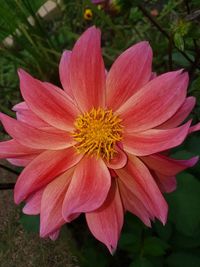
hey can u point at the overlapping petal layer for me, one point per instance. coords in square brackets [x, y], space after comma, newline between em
[155, 103]
[154, 140]
[36, 138]
[51, 217]
[42, 170]
[82, 196]
[50, 104]
[140, 182]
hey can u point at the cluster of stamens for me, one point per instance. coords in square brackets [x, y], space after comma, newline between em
[96, 133]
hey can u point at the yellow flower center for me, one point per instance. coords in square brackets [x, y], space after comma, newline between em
[96, 133]
[88, 14]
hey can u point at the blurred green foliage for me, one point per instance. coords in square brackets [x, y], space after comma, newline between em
[173, 30]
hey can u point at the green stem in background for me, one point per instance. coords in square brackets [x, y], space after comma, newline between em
[170, 48]
[9, 169]
[7, 186]
[158, 26]
[197, 49]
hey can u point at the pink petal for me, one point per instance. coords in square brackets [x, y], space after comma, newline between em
[154, 140]
[33, 203]
[51, 207]
[33, 137]
[64, 72]
[50, 104]
[136, 176]
[106, 222]
[128, 74]
[168, 166]
[27, 116]
[20, 106]
[88, 189]
[43, 170]
[133, 204]
[22, 161]
[153, 75]
[194, 128]
[167, 184]
[180, 115]
[13, 149]
[119, 160]
[53, 236]
[155, 103]
[87, 71]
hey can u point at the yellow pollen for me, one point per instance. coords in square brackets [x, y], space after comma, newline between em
[96, 133]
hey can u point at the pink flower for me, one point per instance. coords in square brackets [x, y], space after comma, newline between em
[95, 147]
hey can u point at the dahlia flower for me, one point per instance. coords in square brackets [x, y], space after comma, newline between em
[96, 146]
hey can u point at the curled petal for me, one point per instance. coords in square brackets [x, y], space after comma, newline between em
[22, 161]
[154, 140]
[20, 106]
[88, 189]
[33, 203]
[50, 104]
[155, 103]
[194, 128]
[87, 71]
[167, 184]
[64, 72]
[35, 138]
[119, 160]
[24, 114]
[168, 166]
[42, 170]
[27, 116]
[51, 206]
[130, 71]
[180, 115]
[53, 236]
[13, 149]
[106, 222]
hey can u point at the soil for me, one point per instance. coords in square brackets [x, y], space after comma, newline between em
[19, 248]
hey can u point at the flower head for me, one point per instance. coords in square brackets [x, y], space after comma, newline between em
[112, 6]
[96, 146]
[88, 14]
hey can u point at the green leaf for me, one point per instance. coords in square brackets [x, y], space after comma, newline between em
[130, 242]
[195, 86]
[192, 144]
[142, 262]
[180, 60]
[187, 242]
[154, 246]
[131, 238]
[184, 205]
[164, 231]
[178, 40]
[30, 223]
[183, 259]
[182, 154]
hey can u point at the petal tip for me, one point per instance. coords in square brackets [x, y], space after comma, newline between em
[112, 249]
